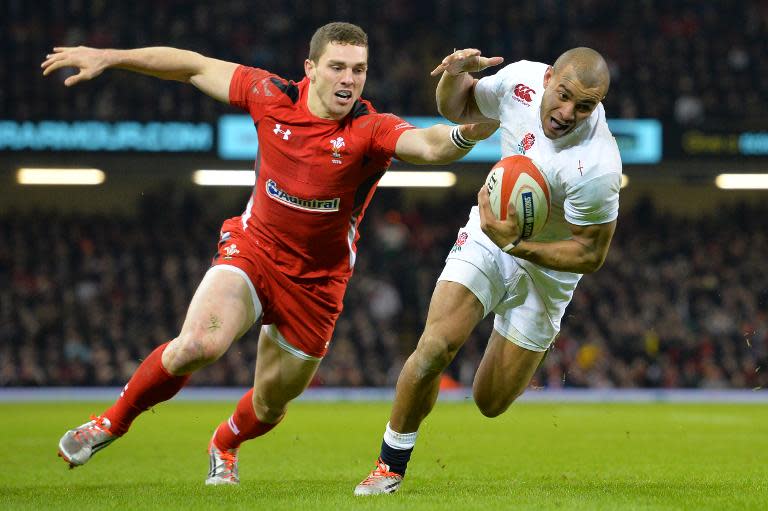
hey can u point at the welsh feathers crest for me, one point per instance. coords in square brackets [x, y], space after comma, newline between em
[337, 144]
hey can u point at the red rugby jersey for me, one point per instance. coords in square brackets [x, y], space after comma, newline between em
[314, 177]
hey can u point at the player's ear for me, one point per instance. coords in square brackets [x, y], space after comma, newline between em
[548, 75]
[310, 69]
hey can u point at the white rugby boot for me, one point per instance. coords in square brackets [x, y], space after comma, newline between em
[223, 466]
[78, 445]
[379, 481]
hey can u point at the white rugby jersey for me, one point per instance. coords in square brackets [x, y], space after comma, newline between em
[583, 168]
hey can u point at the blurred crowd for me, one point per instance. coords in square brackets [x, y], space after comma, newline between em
[686, 61]
[680, 302]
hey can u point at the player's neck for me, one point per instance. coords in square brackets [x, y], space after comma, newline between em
[317, 108]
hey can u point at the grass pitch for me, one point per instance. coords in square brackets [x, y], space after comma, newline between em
[536, 456]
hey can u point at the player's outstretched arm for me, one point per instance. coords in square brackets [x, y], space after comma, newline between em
[211, 76]
[455, 97]
[585, 252]
[437, 145]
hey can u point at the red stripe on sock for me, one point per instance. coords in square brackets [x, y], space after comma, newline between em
[247, 424]
[150, 384]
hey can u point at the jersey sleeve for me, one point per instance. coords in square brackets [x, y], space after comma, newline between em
[594, 201]
[251, 89]
[490, 90]
[387, 131]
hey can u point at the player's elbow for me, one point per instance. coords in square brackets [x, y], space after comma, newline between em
[592, 262]
[458, 114]
[193, 66]
[451, 114]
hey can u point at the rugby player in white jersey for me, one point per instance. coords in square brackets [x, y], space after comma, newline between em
[552, 114]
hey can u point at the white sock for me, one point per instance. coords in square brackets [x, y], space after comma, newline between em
[402, 441]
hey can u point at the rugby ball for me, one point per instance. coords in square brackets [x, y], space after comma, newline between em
[517, 180]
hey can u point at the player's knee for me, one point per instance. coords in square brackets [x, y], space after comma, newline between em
[190, 352]
[268, 410]
[492, 404]
[491, 408]
[434, 353]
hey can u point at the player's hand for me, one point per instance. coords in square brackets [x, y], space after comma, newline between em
[479, 130]
[501, 232]
[465, 61]
[91, 62]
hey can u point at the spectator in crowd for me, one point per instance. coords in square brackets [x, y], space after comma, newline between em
[720, 44]
[689, 312]
[695, 295]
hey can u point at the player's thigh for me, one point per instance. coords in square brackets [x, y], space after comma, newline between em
[280, 375]
[222, 309]
[454, 311]
[504, 372]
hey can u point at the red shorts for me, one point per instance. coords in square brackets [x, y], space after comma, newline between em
[304, 311]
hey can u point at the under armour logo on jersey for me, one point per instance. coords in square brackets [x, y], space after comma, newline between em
[284, 133]
[524, 93]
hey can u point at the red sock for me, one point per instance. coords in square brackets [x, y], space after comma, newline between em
[242, 426]
[149, 385]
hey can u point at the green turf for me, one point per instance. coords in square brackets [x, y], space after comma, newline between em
[536, 456]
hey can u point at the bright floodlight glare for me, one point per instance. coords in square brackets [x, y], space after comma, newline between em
[418, 179]
[402, 179]
[224, 177]
[742, 181]
[43, 176]
[624, 180]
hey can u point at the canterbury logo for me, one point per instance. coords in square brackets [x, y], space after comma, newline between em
[524, 92]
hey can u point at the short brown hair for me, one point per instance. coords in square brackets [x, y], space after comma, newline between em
[336, 32]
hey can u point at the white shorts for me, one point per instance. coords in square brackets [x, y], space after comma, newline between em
[523, 314]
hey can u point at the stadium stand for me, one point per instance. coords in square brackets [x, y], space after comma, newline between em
[674, 61]
[680, 302]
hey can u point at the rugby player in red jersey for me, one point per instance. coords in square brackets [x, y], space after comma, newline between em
[285, 262]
